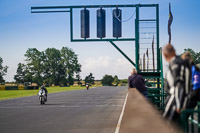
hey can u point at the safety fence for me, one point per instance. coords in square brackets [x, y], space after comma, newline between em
[19, 87]
[190, 120]
[156, 93]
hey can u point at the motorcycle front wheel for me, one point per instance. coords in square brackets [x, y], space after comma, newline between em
[41, 100]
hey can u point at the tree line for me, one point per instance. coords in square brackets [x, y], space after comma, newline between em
[3, 71]
[51, 66]
[59, 67]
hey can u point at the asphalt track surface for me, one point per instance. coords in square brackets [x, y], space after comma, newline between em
[80, 111]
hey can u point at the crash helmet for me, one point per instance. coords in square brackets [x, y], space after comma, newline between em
[42, 87]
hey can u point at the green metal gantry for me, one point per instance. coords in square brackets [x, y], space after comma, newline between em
[155, 77]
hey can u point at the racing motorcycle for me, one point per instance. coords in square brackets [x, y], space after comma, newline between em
[87, 86]
[42, 96]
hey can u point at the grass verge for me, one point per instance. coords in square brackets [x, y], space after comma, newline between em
[9, 94]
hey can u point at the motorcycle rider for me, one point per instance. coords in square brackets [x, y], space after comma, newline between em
[46, 92]
[87, 86]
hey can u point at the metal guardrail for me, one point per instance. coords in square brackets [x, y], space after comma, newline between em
[190, 120]
[155, 82]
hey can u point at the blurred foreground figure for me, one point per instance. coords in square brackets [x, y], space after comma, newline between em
[177, 84]
[194, 94]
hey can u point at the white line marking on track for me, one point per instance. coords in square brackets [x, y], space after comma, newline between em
[121, 115]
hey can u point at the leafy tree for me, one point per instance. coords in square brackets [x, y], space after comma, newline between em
[195, 55]
[89, 79]
[34, 59]
[21, 71]
[78, 78]
[3, 71]
[107, 80]
[116, 80]
[28, 76]
[51, 66]
[70, 64]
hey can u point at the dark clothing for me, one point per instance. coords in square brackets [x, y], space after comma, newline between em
[188, 69]
[137, 81]
[194, 95]
[177, 87]
[46, 92]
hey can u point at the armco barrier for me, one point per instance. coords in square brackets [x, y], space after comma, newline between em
[11, 87]
[20, 87]
[31, 87]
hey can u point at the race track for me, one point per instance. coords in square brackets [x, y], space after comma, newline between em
[80, 111]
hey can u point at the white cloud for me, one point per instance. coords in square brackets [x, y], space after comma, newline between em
[93, 63]
[105, 65]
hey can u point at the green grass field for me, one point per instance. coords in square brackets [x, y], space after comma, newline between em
[9, 94]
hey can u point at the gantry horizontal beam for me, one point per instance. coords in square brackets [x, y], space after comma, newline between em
[94, 6]
[48, 11]
[92, 40]
[35, 9]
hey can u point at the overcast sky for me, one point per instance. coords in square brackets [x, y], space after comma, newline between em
[20, 30]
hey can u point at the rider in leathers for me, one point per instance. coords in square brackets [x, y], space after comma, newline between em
[46, 92]
[177, 85]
